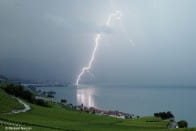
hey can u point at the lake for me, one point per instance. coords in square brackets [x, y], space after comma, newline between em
[142, 101]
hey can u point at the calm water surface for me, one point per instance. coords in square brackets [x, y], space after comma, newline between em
[142, 101]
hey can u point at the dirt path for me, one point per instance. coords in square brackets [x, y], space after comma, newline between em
[26, 107]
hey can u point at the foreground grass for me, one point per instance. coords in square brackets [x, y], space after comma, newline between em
[58, 118]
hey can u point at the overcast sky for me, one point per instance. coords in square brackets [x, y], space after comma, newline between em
[153, 43]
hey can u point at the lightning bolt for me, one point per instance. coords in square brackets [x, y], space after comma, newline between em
[117, 15]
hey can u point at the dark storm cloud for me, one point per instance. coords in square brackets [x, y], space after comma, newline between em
[54, 39]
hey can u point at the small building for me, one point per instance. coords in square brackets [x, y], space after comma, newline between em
[172, 124]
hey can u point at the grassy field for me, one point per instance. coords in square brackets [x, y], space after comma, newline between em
[59, 118]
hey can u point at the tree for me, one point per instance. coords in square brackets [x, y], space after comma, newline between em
[22, 92]
[182, 124]
[164, 115]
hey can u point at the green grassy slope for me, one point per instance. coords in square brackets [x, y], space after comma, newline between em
[72, 120]
[7, 103]
[58, 118]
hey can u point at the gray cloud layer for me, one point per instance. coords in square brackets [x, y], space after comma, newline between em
[53, 40]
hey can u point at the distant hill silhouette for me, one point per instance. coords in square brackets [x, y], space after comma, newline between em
[3, 77]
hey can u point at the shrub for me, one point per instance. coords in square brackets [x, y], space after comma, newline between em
[182, 124]
[63, 101]
[42, 103]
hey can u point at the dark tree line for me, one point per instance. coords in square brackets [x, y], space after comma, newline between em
[164, 115]
[18, 90]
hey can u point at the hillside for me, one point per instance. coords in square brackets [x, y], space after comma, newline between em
[7, 103]
[59, 118]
